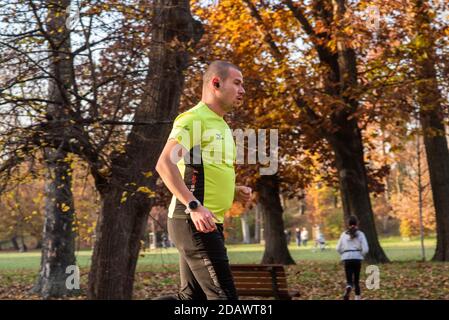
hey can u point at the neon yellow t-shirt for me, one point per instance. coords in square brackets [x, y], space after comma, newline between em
[208, 168]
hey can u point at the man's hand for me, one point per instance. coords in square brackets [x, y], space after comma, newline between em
[243, 195]
[203, 219]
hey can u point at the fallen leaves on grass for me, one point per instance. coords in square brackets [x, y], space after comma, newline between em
[314, 279]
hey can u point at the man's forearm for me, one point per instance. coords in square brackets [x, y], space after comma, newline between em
[172, 178]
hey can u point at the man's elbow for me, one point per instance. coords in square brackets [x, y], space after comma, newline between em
[160, 166]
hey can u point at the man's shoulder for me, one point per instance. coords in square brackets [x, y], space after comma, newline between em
[189, 115]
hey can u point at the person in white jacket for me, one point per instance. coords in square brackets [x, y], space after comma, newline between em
[352, 247]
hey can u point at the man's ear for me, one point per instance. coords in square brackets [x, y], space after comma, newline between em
[216, 82]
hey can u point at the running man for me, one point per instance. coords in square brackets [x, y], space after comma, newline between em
[197, 166]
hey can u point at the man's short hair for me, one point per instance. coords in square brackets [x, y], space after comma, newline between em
[218, 68]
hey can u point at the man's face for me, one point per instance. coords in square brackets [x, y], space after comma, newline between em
[231, 90]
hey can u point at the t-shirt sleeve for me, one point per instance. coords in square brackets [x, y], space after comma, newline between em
[187, 130]
[365, 247]
[340, 244]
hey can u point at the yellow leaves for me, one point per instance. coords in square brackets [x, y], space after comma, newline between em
[332, 45]
[96, 125]
[128, 10]
[420, 41]
[69, 158]
[19, 153]
[147, 174]
[104, 171]
[65, 207]
[146, 190]
[141, 189]
[199, 12]
[124, 197]
[349, 30]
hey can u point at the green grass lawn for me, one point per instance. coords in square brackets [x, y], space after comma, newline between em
[395, 248]
[317, 274]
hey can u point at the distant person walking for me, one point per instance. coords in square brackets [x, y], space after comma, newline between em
[304, 236]
[298, 236]
[352, 247]
[321, 241]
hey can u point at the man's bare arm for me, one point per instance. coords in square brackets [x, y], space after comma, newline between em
[170, 175]
[169, 172]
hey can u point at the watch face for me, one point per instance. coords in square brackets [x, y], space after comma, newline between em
[193, 205]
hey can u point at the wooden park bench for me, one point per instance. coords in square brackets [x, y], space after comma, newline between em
[262, 280]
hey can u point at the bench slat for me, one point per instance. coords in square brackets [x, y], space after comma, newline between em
[259, 280]
[251, 267]
[264, 286]
[256, 274]
[262, 293]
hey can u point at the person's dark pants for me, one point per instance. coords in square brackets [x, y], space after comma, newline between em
[203, 262]
[352, 270]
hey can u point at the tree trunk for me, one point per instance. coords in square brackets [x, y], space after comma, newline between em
[124, 212]
[348, 149]
[153, 240]
[58, 241]
[257, 223]
[302, 202]
[38, 245]
[24, 247]
[276, 250]
[245, 228]
[346, 138]
[432, 122]
[15, 244]
[420, 198]
[438, 163]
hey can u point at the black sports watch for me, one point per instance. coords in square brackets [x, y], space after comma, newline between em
[193, 205]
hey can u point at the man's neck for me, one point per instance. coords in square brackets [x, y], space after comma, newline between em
[214, 107]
